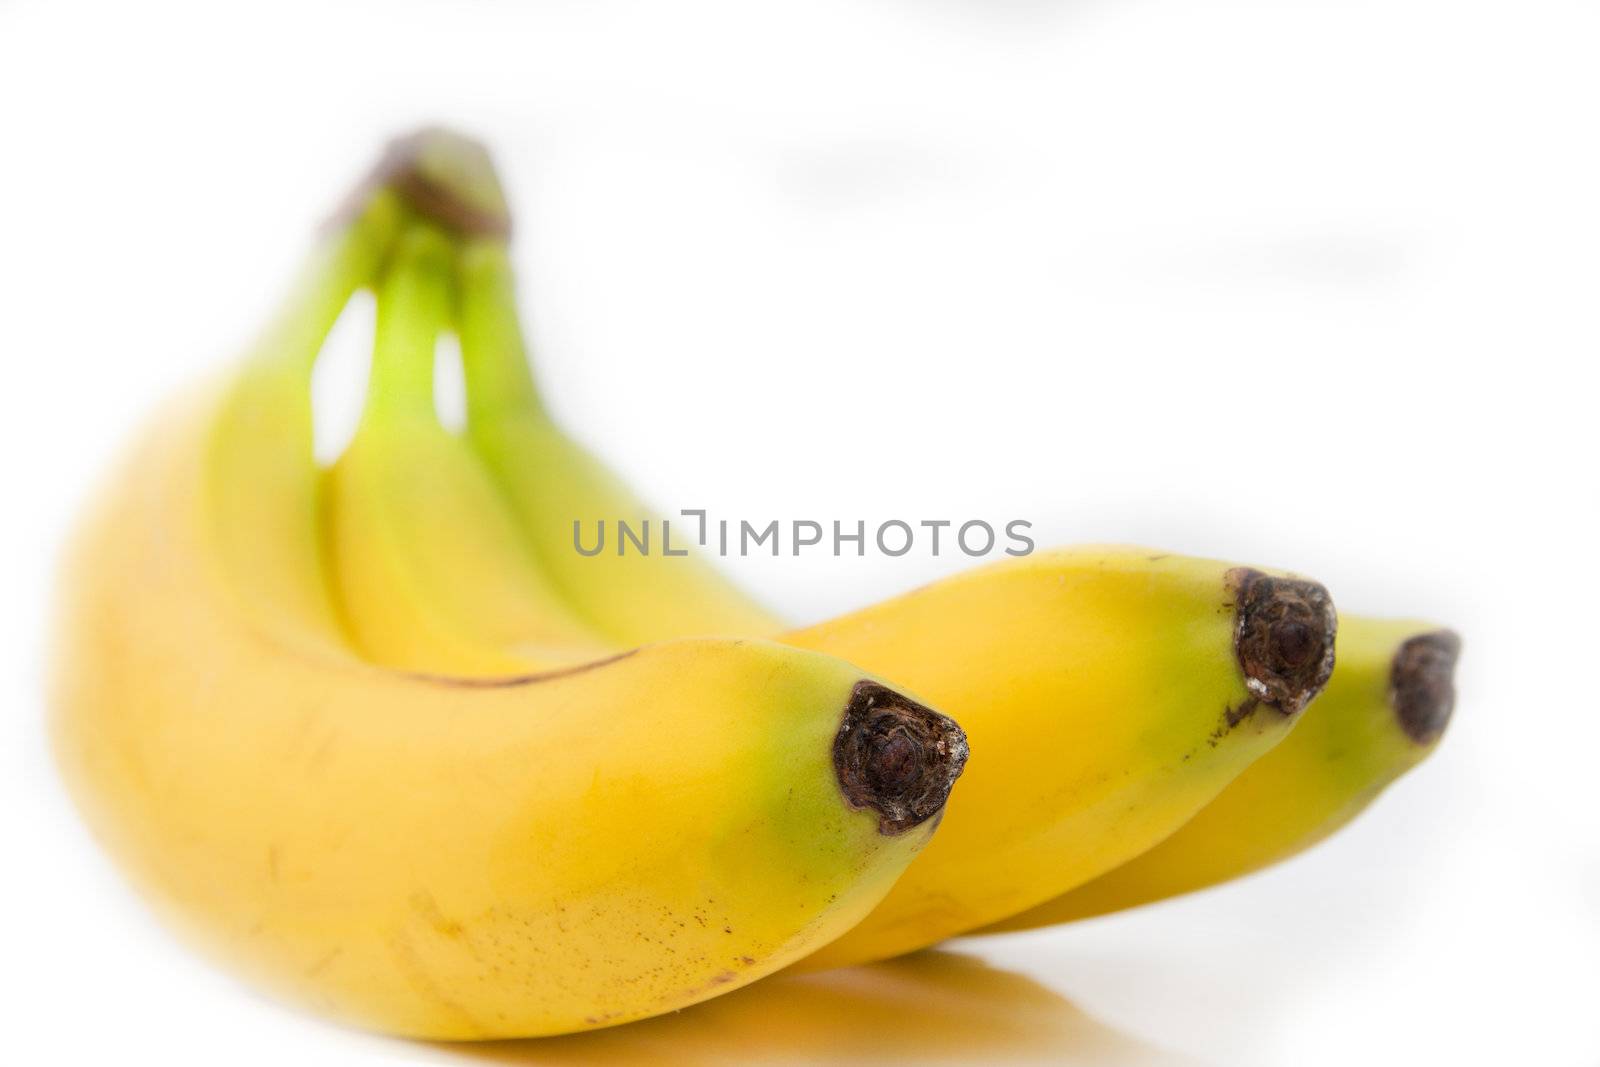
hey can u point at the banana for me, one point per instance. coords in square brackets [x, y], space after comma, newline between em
[1383, 711]
[429, 566]
[1111, 692]
[447, 857]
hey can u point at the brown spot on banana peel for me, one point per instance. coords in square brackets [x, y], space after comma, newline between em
[441, 175]
[1283, 639]
[1422, 685]
[896, 756]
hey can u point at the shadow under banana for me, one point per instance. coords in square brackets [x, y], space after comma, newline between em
[932, 1007]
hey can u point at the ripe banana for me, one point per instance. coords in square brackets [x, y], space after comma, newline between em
[1383, 711]
[447, 857]
[1111, 692]
[430, 568]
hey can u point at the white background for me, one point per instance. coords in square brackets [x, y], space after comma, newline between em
[1311, 283]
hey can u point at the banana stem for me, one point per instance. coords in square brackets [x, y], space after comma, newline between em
[433, 175]
[450, 181]
[414, 305]
[494, 355]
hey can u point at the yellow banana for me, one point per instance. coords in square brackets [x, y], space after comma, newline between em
[442, 856]
[430, 568]
[1383, 711]
[1111, 692]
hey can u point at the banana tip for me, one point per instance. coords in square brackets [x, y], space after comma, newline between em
[1283, 639]
[1422, 685]
[896, 757]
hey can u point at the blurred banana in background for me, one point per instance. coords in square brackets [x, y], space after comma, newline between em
[428, 563]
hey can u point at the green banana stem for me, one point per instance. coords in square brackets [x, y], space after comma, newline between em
[448, 182]
[494, 355]
[431, 175]
[414, 307]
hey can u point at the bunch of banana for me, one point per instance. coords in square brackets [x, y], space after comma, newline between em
[437, 854]
[384, 737]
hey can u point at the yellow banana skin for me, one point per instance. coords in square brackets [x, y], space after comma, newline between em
[429, 565]
[1110, 693]
[1383, 712]
[439, 857]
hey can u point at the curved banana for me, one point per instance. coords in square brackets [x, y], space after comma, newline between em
[1111, 694]
[430, 568]
[448, 857]
[1383, 711]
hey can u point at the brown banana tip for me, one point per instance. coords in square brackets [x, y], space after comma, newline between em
[896, 757]
[1422, 684]
[442, 175]
[1283, 637]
